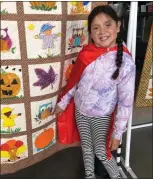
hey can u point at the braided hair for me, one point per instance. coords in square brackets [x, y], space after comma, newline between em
[119, 56]
[110, 12]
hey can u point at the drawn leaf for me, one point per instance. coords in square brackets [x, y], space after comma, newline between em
[55, 7]
[13, 50]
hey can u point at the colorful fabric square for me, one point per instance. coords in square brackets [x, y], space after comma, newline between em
[77, 36]
[44, 139]
[41, 111]
[45, 7]
[14, 149]
[43, 39]
[12, 118]
[9, 41]
[11, 82]
[7, 9]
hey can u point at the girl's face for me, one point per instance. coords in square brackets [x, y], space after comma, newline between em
[104, 31]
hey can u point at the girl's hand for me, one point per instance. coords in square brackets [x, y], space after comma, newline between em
[113, 144]
[57, 110]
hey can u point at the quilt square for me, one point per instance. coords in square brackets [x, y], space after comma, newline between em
[76, 36]
[78, 7]
[44, 78]
[13, 118]
[8, 7]
[68, 66]
[43, 39]
[13, 149]
[41, 111]
[9, 41]
[44, 138]
[11, 82]
[42, 7]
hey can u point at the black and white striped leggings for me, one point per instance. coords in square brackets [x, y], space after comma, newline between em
[93, 132]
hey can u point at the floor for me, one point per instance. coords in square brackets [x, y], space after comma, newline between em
[68, 163]
[141, 152]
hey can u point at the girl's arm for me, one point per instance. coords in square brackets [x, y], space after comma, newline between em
[66, 98]
[125, 102]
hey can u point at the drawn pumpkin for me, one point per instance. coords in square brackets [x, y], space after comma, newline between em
[44, 139]
[50, 4]
[39, 4]
[12, 149]
[10, 85]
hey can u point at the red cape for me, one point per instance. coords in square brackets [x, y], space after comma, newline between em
[66, 123]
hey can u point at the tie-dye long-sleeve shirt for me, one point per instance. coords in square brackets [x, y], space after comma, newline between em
[97, 94]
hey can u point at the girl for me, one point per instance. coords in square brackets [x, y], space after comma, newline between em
[103, 77]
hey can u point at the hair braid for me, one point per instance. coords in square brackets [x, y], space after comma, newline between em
[119, 57]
